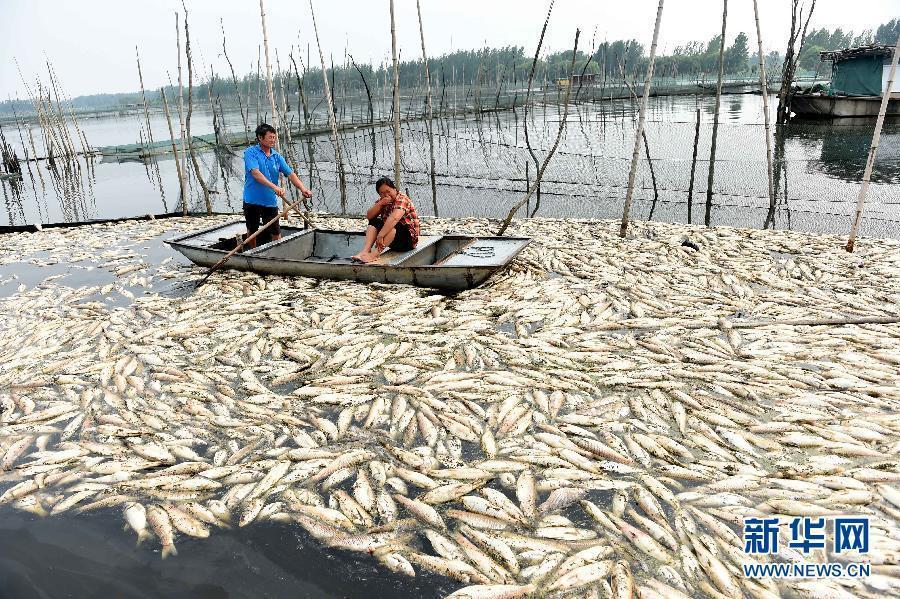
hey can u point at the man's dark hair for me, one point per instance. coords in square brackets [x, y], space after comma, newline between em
[263, 129]
[384, 181]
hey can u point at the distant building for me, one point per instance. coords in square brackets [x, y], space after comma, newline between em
[576, 80]
[861, 71]
[858, 79]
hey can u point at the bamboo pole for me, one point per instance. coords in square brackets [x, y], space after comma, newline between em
[715, 130]
[371, 112]
[873, 151]
[218, 124]
[764, 87]
[310, 153]
[190, 111]
[82, 139]
[646, 143]
[258, 83]
[430, 122]
[635, 154]
[143, 96]
[162, 92]
[396, 100]
[271, 90]
[62, 116]
[335, 140]
[690, 202]
[181, 113]
[531, 74]
[549, 156]
[310, 148]
[249, 238]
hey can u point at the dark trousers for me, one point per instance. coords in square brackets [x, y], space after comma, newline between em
[402, 239]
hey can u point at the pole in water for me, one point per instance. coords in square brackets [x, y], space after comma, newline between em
[640, 128]
[873, 151]
[712, 151]
[764, 89]
[690, 202]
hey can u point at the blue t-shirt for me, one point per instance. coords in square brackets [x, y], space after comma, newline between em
[269, 166]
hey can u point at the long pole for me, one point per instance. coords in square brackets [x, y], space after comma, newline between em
[396, 101]
[249, 238]
[638, 135]
[873, 151]
[144, 97]
[764, 88]
[690, 202]
[335, 140]
[187, 122]
[162, 92]
[712, 149]
[184, 181]
[430, 111]
[262, 16]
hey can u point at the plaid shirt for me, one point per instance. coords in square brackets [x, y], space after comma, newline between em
[410, 216]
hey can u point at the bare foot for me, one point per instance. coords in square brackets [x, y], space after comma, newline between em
[369, 257]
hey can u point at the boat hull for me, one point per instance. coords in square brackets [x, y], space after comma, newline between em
[822, 106]
[326, 260]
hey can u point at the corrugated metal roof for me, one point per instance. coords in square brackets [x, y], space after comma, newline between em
[858, 52]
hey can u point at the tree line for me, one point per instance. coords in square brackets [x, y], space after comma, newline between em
[507, 67]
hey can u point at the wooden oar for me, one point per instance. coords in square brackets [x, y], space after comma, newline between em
[219, 264]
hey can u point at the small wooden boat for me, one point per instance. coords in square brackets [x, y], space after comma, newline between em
[449, 262]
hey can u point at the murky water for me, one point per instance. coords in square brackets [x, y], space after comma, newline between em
[483, 167]
[89, 556]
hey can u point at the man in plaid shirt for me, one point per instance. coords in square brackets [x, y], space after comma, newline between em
[393, 222]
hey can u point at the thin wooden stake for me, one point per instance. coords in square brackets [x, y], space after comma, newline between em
[335, 140]
[181, 114]
[162, 92]
[396, 101]
[549, 156]
[430, 112]
[640, 127]
[764, 87]
[873, 151]
[187, 123]
[712, 149]
[144, 97]
[262, 16]
[690, 199]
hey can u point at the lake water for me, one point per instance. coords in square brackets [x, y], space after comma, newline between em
[483, 166]
[90, 556]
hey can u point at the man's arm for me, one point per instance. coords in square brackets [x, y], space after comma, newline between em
[260, 178]
[296, 182]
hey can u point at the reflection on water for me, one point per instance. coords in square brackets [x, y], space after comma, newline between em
[481, 169]
[845, 148]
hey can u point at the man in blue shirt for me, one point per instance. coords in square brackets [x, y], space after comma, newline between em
[262, 164]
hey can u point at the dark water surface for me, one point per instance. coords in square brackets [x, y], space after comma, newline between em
[90, 556]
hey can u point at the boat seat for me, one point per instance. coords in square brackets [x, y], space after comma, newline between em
[393, 257]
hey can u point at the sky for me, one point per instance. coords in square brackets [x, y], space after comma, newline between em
[91, 43]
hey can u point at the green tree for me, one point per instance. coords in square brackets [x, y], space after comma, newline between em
[737, 55]
[888, 32]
